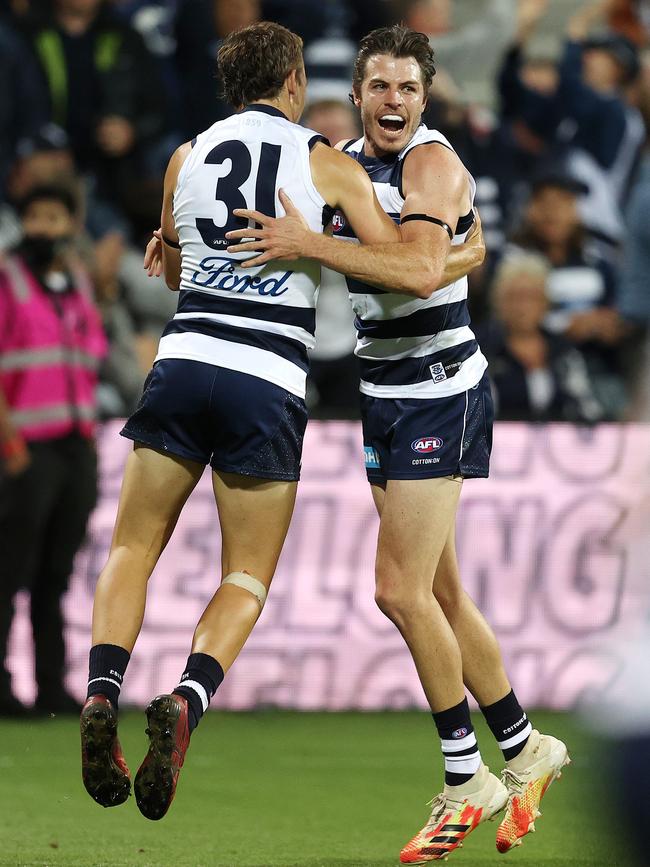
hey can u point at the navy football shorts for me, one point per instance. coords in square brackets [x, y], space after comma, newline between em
[425, 439]
[235, 422]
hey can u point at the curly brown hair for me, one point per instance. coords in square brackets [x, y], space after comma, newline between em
[254, 63]
[396, 41]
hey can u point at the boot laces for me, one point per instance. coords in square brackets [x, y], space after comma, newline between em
[513, 782]
[440, 805]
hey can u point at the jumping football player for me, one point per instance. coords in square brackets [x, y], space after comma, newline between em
[427, 425]
[227, 389]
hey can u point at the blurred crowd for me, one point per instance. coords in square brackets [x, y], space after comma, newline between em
[98, 93]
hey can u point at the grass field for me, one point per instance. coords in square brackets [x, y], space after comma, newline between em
[278, 790]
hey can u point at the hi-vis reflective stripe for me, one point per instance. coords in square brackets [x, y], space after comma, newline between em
[55, 412]
[17, 280]
[24, 359]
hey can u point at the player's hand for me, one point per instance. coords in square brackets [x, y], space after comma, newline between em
[153, 255]
[284, 238]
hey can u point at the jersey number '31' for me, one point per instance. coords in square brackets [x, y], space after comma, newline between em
[228, 191]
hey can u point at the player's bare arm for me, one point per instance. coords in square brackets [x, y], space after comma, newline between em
[434, 180]
[171, 251]
[463, 258]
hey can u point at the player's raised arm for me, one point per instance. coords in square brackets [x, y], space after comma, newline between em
[171, 251]
[416, 266]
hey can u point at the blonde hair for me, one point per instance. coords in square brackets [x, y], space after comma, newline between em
[519, 263]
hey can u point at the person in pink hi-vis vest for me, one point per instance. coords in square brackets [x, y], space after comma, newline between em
[51, 343]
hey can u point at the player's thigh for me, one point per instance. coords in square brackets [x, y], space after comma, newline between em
[155, 488]
[416, 518]
[254, 515]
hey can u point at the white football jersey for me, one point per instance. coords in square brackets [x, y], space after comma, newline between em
[411, 347]
[258, 321]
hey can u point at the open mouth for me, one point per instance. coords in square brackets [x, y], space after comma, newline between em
[392, 123]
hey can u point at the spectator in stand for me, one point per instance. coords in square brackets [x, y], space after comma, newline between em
[581, 286]
[530, 111]
[470, 54]
[23, 102]
[333, 382]
[51, 342]
[46, 158]
[104, 91]
[134, 308]
[633, 299]
[201, 25]
[330, 57]
[631, 18]
[536, 375]
[599, 133]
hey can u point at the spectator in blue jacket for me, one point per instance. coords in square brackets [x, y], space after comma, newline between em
[587, 119]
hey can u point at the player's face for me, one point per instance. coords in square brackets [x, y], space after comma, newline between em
[391, 100]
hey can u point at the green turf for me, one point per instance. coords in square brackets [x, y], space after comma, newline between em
[278, 790]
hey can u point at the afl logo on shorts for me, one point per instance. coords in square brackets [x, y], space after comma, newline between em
[338, 222]
[425, 445]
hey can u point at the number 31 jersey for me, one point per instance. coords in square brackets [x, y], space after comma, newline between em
[258, 321]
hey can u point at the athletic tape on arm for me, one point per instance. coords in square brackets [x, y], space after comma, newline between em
[247, 582]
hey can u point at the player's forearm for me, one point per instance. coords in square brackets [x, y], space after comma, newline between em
[401, 268]
[462, 260]
[172, 268]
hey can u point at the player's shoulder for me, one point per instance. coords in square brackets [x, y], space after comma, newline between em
[336, 176]
[429, 150]
[335, 162]
[177, 160]
[349, 145]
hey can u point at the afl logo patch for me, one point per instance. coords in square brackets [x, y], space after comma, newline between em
[425, 445]
[459, 733]
[338, 222]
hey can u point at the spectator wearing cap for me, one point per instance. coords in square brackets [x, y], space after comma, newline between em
[134, 308]
[535, 375]
[51, 342]
[581, 285]
[600, 133]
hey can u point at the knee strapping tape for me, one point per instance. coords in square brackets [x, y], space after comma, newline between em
[247, 582]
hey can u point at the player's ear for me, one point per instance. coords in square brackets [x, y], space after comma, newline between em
[292, 81]
[355, 98]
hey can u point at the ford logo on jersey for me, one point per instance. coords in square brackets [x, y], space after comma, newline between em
[424, 445]
[219, 272]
